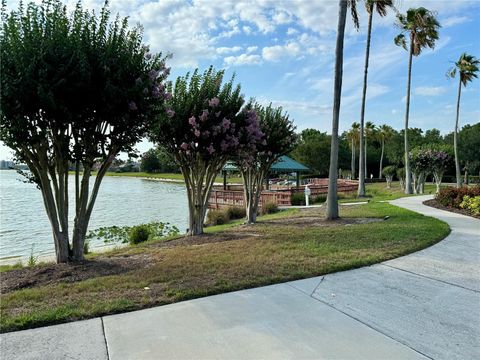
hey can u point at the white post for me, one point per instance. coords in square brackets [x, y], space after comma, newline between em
[307, 195]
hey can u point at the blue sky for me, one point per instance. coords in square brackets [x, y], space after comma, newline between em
[282, 51]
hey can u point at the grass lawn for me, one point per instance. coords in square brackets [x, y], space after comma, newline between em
[289, 245]
[170, 176]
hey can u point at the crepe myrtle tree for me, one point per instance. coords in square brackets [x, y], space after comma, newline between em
[441, 159]
[76, 88]
[276, 138]
[204, 125]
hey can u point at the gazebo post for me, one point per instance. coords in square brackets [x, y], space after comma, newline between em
[224, 179]
[267, 185]
[298, 179]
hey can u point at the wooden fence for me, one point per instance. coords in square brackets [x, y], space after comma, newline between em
[282, 196]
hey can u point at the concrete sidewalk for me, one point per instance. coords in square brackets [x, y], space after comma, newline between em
[424, 305]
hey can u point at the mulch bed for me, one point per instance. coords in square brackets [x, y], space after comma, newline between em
[435, 204]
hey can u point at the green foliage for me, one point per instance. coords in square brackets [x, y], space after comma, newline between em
[453, 197]
[217, 217]
[235, 212]
[419, 30]
[313, 150]
[138, 234]
[298, 199]
[74, 89]
[86, 247]
[121, 234]
[150, 162]
[389, 171]
[472, 204]
[32, 259]
[269, 208]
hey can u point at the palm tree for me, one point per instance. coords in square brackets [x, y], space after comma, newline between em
[369, 131]
[381, 6]
[421, 26]
[467, 68]
[332, 197]
[352, 137]
[385, 133]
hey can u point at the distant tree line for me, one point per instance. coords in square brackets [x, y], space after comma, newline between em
[313, 149]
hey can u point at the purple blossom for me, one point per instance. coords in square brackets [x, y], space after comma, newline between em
[224, 145]
[132, 106]
[156, 92]
[152, 74]
[184, 146]
[168, 96]
[214, 102]
[210, 149]
[226, 124]
[206, 134]
[170, 113]
[148, 56]
[204, 115]
[192, 121]
[197, 133]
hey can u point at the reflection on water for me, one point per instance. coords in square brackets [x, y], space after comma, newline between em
[121, 201]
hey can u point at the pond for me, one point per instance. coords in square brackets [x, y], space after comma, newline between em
[121, 201]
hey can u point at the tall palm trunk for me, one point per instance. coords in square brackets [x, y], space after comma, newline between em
[365, 160]
[362, 166]
[408, 174]
[353, 159]
[455, 135]
[381, 159]
[332, 197]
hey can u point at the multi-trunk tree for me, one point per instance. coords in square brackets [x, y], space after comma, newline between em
[204, 124]
[75, 89]
[254, 162]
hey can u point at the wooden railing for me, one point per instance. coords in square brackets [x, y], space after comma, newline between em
[282, 196]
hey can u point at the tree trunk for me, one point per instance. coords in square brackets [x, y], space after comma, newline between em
[362, 173]
[332, 196]
[353, 160]
[408, 175]
[381, 159]
[455, 135]
[365, 162]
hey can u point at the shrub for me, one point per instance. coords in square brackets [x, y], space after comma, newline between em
[269, 208]
[451, 196]
[235, 212]
[321, 198]
[217, 217]
[389, 172]
[139, 233]
[298, 199]
[121, 234]
[472, 204]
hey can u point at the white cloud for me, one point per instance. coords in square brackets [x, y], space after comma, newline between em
[292, 31]
[243, 59]
[454, 20]
[429, 90]
[228, 50]
[251, 49]
[275, 53]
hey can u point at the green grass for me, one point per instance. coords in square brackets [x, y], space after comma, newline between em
[170, 176]
[17, 265]
[285, 246]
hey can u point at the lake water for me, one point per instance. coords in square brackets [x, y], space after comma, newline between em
[121, 201]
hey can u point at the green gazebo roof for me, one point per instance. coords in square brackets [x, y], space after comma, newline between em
[284, 165]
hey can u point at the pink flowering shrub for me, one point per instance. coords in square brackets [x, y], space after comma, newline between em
[204, 124]
[275, 136]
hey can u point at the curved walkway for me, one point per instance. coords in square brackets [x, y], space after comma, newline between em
[422, 306]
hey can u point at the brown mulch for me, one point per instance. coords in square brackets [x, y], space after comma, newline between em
[435, 204]
[45, 274]
[316, 221]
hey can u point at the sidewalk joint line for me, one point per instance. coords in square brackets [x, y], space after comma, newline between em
[373, 328]
[105, 338]
[430, 278]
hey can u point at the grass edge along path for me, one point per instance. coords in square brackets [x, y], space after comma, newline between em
[286, 246]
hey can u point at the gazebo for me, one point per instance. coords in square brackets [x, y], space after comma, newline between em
[284, 165]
